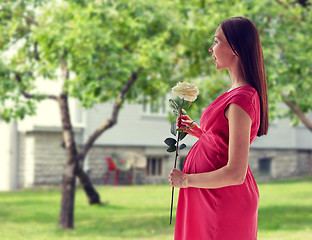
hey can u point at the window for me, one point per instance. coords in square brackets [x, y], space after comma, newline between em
[154, 166]
[157, 107]
[265, 166]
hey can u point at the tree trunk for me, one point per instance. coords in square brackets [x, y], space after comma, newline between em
[92, 195]
[66, 220]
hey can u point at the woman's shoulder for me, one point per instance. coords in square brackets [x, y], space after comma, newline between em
[245, 93]
[246, 97]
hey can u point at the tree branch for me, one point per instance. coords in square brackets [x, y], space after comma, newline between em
[33, 96]
[113, 119]
[282, 3]
[299, 114]
[30, 20]
[37, 56]
[39, 96]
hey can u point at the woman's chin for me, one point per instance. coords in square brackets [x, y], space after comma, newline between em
[219, 67]
[215, 63]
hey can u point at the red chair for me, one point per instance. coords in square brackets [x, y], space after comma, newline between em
[111, 168]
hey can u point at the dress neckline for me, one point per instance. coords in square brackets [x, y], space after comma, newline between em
[229, 91]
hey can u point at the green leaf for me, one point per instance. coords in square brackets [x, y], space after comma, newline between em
[173, 128]
[176, 112]
[174, 104]
[171, 149]
[182, 135]
[170, 141]
[182, 146]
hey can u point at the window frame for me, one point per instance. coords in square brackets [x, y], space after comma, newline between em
[159, 166]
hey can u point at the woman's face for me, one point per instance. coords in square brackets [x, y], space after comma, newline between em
[221, 51]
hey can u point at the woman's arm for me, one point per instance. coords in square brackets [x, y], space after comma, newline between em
[234, 172]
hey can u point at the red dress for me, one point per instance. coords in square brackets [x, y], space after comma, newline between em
[228, 213]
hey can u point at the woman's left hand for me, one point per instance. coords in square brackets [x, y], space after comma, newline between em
[177, 179]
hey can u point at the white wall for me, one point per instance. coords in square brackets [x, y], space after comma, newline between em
[133, 127]
[136, 128]
[48, 112]
[282, 135]
[8, 156]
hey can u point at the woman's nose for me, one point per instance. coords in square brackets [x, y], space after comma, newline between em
[210, 49]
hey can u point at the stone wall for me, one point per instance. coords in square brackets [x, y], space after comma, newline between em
[49, 158]
[304, 162]
[41, 160]
[281, 163]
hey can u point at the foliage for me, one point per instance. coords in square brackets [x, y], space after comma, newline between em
[103, 41]
[284, 213]
[285, 31]
[286, 28]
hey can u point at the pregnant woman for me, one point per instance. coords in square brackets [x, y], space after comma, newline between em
[218, 198]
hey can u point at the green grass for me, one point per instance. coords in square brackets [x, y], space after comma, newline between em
[142, 212]
[285, 210]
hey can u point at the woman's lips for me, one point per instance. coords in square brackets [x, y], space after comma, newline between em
[215, 59]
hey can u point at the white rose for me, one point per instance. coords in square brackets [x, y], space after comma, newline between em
[186, 91]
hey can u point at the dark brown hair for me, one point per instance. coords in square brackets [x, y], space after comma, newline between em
[244, 39]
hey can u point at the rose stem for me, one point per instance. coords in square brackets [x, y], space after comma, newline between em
[175, 160]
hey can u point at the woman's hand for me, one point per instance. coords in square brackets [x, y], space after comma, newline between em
[177, 179]
[189, 126]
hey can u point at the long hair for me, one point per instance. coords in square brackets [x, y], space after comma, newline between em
[244, 39]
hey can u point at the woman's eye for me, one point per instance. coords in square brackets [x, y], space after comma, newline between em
[215, 41]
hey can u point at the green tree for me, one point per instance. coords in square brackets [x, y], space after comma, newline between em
[105, 50]
[286, 31]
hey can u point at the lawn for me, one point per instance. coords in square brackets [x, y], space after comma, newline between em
[142, 212]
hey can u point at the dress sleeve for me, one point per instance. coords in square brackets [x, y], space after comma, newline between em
[245, 102]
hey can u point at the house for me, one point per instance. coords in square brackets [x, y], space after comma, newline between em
[31, 152]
